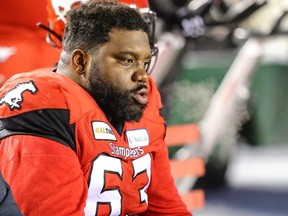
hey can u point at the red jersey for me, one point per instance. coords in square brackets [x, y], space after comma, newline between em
[61, 156]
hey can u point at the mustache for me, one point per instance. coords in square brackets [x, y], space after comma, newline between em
[138, 88]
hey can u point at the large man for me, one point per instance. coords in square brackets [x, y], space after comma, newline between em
[86, 140]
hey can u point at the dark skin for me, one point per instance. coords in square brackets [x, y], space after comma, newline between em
[120, 64]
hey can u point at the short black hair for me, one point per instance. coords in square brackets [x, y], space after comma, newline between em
[88, 26]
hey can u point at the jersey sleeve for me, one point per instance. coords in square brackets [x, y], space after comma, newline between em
[44, 104]
[45, 176]
[37, 151]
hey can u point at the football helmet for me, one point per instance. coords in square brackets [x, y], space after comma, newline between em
[57, 12]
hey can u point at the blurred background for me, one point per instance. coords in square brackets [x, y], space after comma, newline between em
[230, 77]
[223, 66]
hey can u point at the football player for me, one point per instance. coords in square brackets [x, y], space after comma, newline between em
[89, 138]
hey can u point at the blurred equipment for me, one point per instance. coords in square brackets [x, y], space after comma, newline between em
[223, 22]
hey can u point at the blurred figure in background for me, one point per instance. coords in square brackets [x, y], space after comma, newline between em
[22, 43]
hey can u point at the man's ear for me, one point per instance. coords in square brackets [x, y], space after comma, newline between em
[79, 60]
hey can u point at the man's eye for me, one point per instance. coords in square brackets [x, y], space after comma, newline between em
[128, 61]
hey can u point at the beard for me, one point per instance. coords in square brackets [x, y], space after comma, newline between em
[116, 103]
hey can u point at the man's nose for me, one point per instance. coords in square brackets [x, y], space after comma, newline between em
[140, 74]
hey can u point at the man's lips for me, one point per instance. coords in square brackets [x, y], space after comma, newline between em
[141, 96]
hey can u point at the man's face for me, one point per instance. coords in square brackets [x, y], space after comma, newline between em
[117, 76]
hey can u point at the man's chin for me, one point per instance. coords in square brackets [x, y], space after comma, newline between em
[135, 115]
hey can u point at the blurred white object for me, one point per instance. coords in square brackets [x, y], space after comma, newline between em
[263, 167]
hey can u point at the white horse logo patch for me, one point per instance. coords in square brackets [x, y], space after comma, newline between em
[14, 97]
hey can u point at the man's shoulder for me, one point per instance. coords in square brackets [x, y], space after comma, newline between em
[154, 94]
[154, 107]
[43, 76]
[39, 89]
